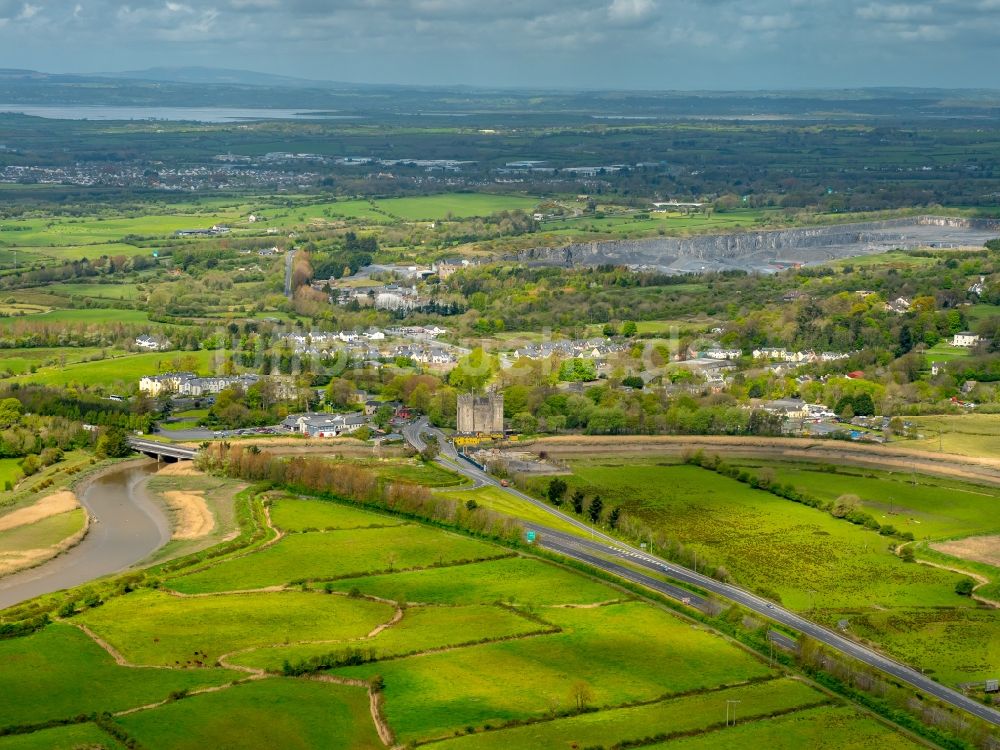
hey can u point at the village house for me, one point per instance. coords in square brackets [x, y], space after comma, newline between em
[965, 338]
[321, 425]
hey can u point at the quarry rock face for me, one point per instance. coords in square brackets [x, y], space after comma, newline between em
[800, 245]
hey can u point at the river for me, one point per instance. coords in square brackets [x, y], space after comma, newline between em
[129, 527]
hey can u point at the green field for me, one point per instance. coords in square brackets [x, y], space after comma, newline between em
[456, 205]
[337, 554]
[503, 502]
[815, 563]
[624, 652]
[56, 232]
[118, 291]
[72, 737]
[421, 629]
[817, 729]
[678, 715]
[41, 678]
[944, 352]
[20, 361]
[83, 315]
[152, 627]
[299, 514]
[516, 579]
[275, 713]
[10, 471]
[964, 434]
[122, 372]
[473, 646]
[929, 507]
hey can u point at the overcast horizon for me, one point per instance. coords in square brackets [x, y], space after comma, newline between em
[714, 45]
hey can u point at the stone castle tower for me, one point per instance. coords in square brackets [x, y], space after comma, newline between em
[480, 413]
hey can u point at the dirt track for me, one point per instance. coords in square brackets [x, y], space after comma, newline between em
[896, 458]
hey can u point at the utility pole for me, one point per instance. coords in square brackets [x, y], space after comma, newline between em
[734, 704]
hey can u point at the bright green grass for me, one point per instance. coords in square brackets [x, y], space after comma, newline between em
[72, 737]
[297, 514]
[53, 232]
[42, 534]
[186, 424]
[409, 470]
[624, 652]
[116, 291]
[769, 542]
[336, 554]
[421, 629]
[930, 507]
[945, 352]
[20, 361]
[835, 728]
[320, 213]
[92, 251]
[458, 205]
[976, 313]
[503, 502]
[122, 372]
[954, 645]
[517, 579]
[278, 713]
[686, 714]
[964, 434]
[40, 678]
[10, 471]
[153, 627]
[87, 315]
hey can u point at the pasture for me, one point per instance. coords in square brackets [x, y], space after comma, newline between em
[20, 361]
[81, 315]
[155, 628]
[688, 714]
[813, 562]
[840, 728]
[301, 514]
[421, 629]
[72, 737]
[337, 554]
[929, 507]
[124, 372]
[275, 713]
[41, 678]
[454, 205]
[623, 652]
[964, 434]
[473, 646]
[515, 580]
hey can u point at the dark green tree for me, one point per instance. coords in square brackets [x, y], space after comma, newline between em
[577, 500]
[596, 506]
[556, 491]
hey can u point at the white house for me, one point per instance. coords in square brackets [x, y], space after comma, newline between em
[965, 338]
[151, 344]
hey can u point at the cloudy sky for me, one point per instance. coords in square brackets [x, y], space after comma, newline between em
[652, 44]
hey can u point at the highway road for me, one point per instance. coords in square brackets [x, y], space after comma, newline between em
[289, 262]
[595, 548]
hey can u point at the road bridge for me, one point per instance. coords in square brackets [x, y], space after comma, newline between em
[161, 451]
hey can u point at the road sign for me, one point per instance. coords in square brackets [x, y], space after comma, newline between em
[529, 536]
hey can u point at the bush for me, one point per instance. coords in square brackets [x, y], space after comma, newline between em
[964, 587]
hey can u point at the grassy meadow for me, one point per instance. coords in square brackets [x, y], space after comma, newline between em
[817, 564]
[462, 644]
